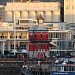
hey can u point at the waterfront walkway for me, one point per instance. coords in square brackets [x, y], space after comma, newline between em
[36, 68]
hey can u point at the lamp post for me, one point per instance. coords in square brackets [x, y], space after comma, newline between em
[14, 32]
[14, 40]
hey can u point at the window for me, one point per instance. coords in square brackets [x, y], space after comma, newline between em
[61, 27]
[72, 6]
[24, 21]
[40, 21]
[67, 7]
[34, 21]
[20, 37]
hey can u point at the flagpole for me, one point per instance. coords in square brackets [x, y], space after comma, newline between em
[14, 31]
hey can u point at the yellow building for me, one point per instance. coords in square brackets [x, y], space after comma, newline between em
[10, 33]
[20, 16]
[49, 10]
[69, 11]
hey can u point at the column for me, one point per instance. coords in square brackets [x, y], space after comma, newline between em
[38, 13]
[32, 14]
[51, 16]
[13, 16]
[17, 14]
[8, 16]
[17, 35]
[8, 35]
[18, 44]
[47, 16]
[2, 50]
[27, 35]
[24, 14]
[56, 16]
[9, 46]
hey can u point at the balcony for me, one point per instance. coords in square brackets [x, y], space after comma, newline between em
[3, 37]
[5, 28]
[19, 37]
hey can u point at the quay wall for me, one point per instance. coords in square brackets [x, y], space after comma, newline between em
[10, 67]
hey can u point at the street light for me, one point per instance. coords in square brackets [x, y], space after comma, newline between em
[14, 33]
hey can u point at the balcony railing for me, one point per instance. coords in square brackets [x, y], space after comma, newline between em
[11, 37]
[6, 28]
[68, 49]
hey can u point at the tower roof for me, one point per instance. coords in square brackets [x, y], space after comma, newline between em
[38, 28]
[40, 17]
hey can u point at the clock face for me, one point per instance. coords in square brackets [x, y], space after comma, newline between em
[40, 21]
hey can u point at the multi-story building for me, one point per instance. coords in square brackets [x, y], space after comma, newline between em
[49, 10]
[69, 11]
[57, 38]
[22, 16]
[38, 40]
[10, 33]
[60, 37]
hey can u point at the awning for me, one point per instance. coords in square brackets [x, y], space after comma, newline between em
[24, 51]
[53, 44]
[14, 51]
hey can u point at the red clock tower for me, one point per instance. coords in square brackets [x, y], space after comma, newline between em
[38, 40]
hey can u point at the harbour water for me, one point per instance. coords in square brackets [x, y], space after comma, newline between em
[10, 71]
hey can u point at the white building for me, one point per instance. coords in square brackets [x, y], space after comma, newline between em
[69, 11]
[49, 10]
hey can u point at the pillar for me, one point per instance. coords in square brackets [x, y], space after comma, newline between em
[9, 46]
[18, 44]
[17, 14]
[32, 14]
[47, 16]
[13, 16]
[17, 35]
[8, 16]
[8, 35]
[27, 35]
[3, 44]
[38, 13]
[24, 14]
[56, 16]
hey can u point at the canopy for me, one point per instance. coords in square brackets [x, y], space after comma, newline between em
[64, 63]
[53, 44]
[24, 51]
[14, 51]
